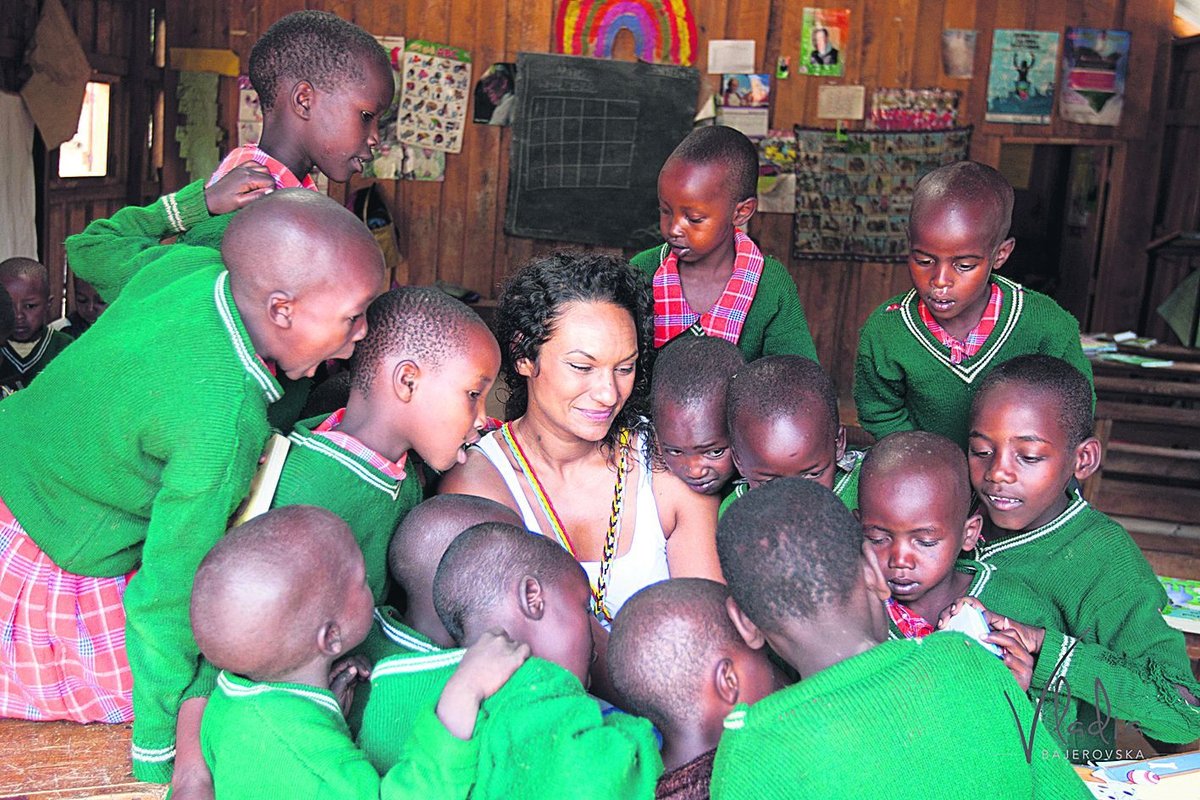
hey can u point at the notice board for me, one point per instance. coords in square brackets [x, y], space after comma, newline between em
[589, 138]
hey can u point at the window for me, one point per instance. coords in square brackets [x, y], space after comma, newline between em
[86, 155]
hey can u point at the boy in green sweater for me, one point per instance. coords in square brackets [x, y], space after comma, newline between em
[136, 444]
[922, 354]
[1113, 656]
[541, 735]
[274, 603]
[29, 346]
[675, 658]
[783, 422]
[709, 278]
[419, 381]
[803, 581]
[687, 403]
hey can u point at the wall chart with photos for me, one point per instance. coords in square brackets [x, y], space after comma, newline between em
[854, 190]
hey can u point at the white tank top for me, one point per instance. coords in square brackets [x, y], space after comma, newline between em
[646, 561]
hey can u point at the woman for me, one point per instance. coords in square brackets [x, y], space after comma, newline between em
[576, 333]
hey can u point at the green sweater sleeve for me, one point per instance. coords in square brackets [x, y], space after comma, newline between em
[879, 383]
[433, 764]
[786, 332]
[111, 251]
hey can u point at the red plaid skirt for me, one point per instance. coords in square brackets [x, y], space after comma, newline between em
[62, 637]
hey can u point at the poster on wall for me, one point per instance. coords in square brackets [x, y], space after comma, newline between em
[777, 173]
[1021, 79]
[744, 103]
[824, 34]
[958, 52]
[1094, 65]
[913, 109]
[854, 189]
[433, 97]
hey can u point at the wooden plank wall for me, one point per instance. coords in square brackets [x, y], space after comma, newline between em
[454, 230]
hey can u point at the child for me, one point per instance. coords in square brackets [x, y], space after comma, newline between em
[273, 604]
[914, 502]
[687, 401]
[419, 381]
[706, 191]
[783, 421]
[541, 735]
[133, 448]
[89, 305]
[803, 582]
[675, 658]
[921, 354]
[322, 83]
[1031, 433]
[30, 345]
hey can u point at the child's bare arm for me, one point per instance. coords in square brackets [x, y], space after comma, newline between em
[345, 674]
[487, 665]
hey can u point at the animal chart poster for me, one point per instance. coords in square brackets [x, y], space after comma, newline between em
[1094, 66]
[1021, 79]
[433, 98]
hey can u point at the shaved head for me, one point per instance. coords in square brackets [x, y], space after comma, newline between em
[918, 453]
[425, 532]
[966, 185]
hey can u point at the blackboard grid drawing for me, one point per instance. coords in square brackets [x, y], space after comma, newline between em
[583, 143]
[589, 137]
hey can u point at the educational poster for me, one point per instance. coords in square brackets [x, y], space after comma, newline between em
[1021, 79]
[777, 173]
[433, 97]
[913, 109]
[958, 53]
[250, 119]
[854, 190]
[1094, 65]
[664, 31]
[824, 34]
[744, 103]
[390, 152]
[423, 164]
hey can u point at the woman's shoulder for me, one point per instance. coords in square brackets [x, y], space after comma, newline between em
[478, 476]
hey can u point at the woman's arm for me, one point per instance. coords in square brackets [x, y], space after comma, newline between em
[689, 521]
[479, 478]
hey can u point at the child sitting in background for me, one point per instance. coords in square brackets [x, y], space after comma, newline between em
[145, 474]
[1031, 434]
[273, 604]
[418, 382]
[687, 403]
[30, 345]
[709, 278]
[783, 421]
[89, 305]
[675, 658]
[803, 581]
[541, 735]
[922, 354]
[914, 502]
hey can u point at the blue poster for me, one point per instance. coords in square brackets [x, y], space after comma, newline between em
[1021, 78]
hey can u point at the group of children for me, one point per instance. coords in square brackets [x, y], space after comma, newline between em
[356, 641]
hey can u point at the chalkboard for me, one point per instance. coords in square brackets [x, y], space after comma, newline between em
[589, 138]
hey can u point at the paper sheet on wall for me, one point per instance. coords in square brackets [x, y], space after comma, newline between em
[841, 102]
[731, 55]
[197, 132]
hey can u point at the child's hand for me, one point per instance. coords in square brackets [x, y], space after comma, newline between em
[344, 675]
[241, 186]
[1031, 638]
[1016, 657]
[487, 665]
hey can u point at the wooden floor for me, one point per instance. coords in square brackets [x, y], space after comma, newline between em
[59, 760]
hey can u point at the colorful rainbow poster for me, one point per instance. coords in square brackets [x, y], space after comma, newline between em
[664, 31]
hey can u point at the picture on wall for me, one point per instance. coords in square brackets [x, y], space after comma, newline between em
[1094, 65]
[1021, 79]
[824, 34]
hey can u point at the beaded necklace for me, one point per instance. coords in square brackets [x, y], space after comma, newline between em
[600, 589]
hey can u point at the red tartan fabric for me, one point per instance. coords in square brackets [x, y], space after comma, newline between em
[328, 429]
[62, 637]
[284, 179]
[673, 315]
[911, 625]
[965, 348]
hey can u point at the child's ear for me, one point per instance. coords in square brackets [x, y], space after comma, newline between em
[329, 639]
[841, 443]
[873, 575]
[744, 210]
[532, 598]
[300, 99]
[971, 530]
[405, 377]
[751, 634]
[725, 682]
[1087, 458]
[281, 308]
[1003, 252]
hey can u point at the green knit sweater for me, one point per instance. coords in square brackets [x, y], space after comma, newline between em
[1093, 574]
[276, 740]
[388, 637]
[319, 472]
[540, 736]
[903, 378]
[927, 719]
[775, 324]
[134, 446]
[845, 484]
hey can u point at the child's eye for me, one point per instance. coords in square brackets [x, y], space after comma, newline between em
[1030, 459]
[474, 395]
[695, 220]
[672, 452]
[965, 267]
[979, 453]
[367, 116]
[717, 453]
[928, 542]
[876, 539]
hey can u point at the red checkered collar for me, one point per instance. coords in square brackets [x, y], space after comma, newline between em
[961, 349]
[284, 178]
[673, 315]
[328, 429]
[910, 625]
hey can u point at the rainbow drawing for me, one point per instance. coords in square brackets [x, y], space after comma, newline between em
[664, 31]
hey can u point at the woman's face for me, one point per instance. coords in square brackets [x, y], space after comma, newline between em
[586, 369]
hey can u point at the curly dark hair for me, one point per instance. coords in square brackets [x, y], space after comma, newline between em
[531, 301]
